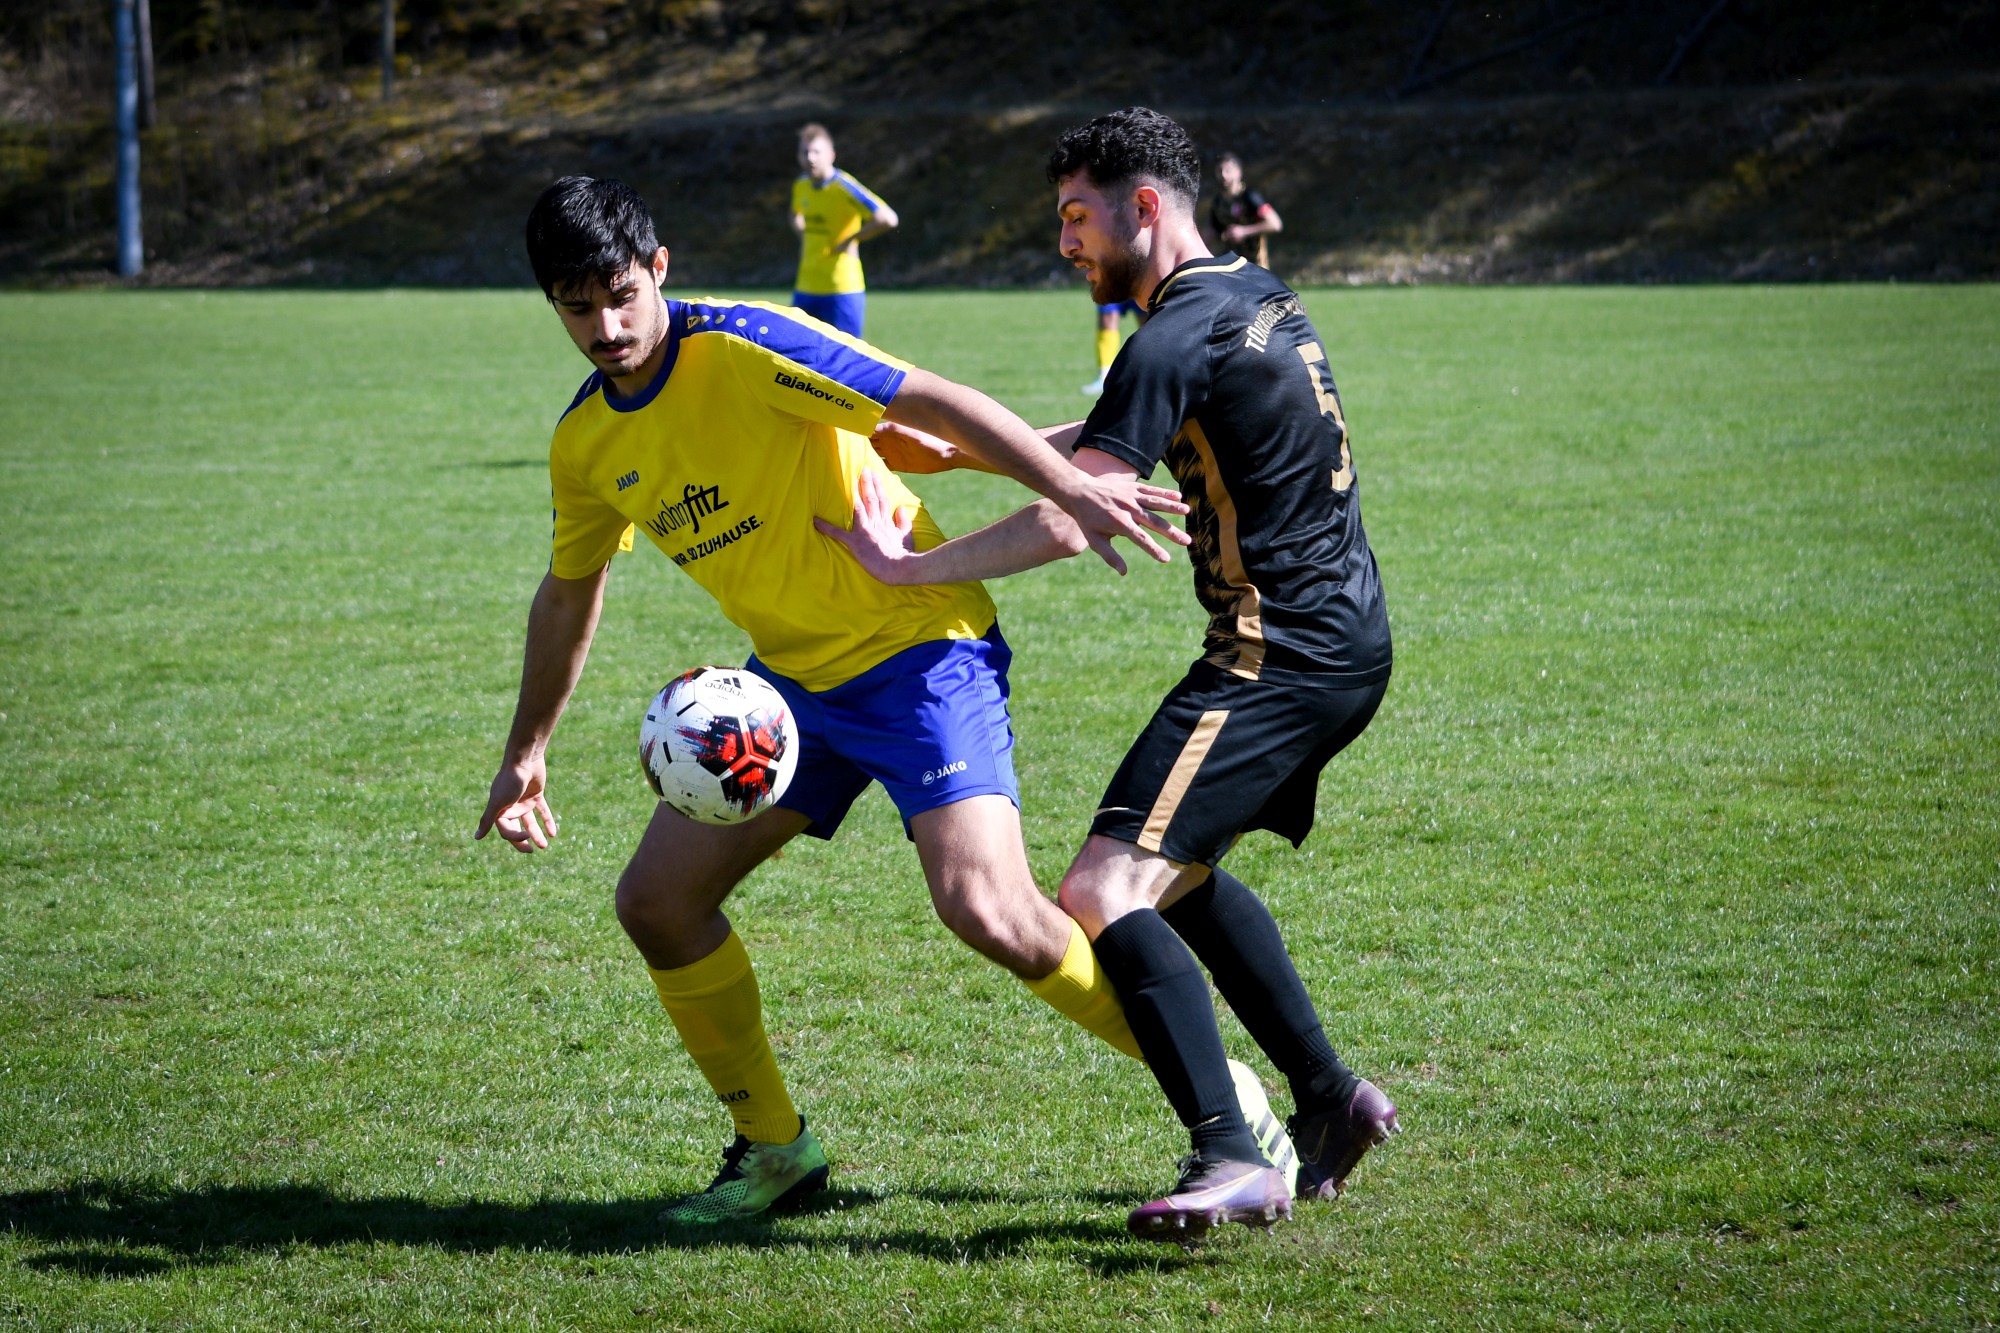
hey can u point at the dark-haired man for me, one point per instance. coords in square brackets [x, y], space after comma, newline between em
[1228, 383]
[724, 429]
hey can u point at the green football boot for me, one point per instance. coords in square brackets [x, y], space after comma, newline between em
[1265, 1127]
[756, 1178]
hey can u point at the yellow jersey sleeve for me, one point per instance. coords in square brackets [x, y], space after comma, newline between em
[588, 532]
[796, 365]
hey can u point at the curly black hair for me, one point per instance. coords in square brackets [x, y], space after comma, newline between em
[583, 228]
[1126, 146]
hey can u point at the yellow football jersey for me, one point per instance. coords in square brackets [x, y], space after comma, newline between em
[757, 422]
[835, 213]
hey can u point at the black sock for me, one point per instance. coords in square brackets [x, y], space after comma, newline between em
[1167, 1005]
[1232, 932]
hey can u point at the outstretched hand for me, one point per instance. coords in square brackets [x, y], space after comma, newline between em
[518, 807]
[880, 538]
[1120, 505]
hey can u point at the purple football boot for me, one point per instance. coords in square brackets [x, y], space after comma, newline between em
[1209, 1194]
[1329, 1143]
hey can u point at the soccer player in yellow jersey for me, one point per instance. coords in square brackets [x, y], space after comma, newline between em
[833, 213]
[722, 430]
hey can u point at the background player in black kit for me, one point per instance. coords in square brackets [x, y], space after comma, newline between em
[1227, 382]
[1239, 217]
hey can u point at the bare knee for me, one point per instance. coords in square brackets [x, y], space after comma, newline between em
[669, 929]
[1084, 900]
[1011, 924]
[969, 908]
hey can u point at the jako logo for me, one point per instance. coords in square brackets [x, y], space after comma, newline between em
[806, 386]
[938, 775]
[629, 479]
[740, 1095]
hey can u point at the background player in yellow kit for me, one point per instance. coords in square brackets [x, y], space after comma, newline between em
[833, 213]
[722, 430]
[1108, 317]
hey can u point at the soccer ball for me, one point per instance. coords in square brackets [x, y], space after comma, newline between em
[718, 746]
[1264, 1125]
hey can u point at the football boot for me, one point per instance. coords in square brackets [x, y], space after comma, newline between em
[1210, 1193]
[756, 1178]
[1330, 1142]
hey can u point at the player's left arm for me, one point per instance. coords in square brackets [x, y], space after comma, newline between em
[1104, 506]
[881, 221]
[1268, 223]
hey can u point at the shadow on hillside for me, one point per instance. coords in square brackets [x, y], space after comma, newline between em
[98, 1225]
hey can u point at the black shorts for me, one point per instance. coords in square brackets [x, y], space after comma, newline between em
[1224, 755]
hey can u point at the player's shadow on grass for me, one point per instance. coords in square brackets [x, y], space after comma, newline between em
[120, 1229]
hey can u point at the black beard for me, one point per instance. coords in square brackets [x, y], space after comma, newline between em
[1117, 278]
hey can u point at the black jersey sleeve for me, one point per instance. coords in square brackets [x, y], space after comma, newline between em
[1254, 204]
[1160, 377]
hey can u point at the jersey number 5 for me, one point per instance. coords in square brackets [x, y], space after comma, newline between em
[1329, 407]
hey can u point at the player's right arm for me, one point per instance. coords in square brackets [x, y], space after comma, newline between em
[1025, 539]
[907, 449]
[561, 623]
[1104, 506]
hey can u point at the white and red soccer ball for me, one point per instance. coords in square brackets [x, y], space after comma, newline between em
[718, 745]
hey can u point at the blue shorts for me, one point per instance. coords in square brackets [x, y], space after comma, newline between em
[1119, 308]
[843, 310]
[930, 724]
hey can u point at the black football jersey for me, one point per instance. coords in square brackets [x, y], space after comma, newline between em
[1228, 383]
[1225, 212]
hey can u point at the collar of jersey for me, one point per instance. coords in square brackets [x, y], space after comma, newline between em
[659, 380]
[1226, 262]
[821, 185]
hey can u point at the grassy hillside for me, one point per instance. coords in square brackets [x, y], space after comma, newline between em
[1525, 142]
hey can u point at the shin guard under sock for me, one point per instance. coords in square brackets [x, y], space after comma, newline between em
[1167, 1006]
[716, 1008]
[1080, 991]
[1232, 932]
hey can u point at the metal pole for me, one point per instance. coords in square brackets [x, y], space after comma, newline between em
[131, 250]
[148, 109]
[388, 49]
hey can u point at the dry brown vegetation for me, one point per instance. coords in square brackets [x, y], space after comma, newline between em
[1527, 142]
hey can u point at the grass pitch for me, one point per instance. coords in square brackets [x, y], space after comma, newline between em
[1661, 894]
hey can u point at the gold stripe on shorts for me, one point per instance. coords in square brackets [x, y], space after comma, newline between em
[1198, 743]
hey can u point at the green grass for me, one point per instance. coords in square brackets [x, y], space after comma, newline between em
[1661, 894]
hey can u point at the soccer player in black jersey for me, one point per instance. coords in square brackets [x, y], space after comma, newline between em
[1239, 217]
[1227, 382]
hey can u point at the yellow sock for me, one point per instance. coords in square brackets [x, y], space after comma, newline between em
[717, 1010]
[1080, 992]
[1107, 348]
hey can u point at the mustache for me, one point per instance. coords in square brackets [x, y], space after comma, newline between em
[601, 346]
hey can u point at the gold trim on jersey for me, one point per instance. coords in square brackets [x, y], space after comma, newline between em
[1196, 267]
[1249, 603]
[1199, 742]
